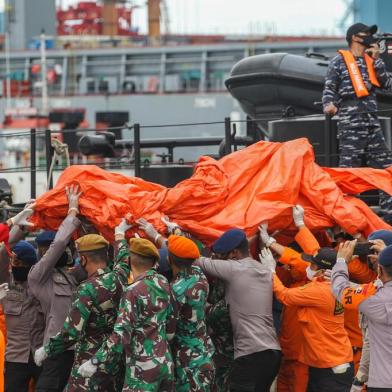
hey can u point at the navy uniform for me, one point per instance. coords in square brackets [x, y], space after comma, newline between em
[361, 141]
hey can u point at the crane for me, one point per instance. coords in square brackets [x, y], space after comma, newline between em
[154, 18]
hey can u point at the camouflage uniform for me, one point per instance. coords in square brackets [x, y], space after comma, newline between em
[220, 330]
[192, 347]
[146, 319]
[361, 141]
[90, 322]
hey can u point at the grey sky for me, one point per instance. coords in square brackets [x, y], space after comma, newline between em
[247, 16]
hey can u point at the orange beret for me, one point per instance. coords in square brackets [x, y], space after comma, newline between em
[143, 247]
[183, 247]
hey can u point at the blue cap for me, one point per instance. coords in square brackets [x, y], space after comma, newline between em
[385, 235]
[385, 257]
[45, 238]
[228, 241]
[25, 252]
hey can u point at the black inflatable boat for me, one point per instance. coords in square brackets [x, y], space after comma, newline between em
[272, 83]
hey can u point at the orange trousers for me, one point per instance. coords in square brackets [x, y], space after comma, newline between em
[293, 376]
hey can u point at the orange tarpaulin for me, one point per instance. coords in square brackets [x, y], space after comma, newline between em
[259, 183]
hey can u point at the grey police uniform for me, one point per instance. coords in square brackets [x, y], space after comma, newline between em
[53, 287]
[25, 326]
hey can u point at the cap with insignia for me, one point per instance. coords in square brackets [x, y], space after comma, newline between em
[91, 242]
[143, 247]
[325, 258]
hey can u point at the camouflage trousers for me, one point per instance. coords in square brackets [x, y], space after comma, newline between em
[222, 373]
[195, 379]
[365, 146]
[156, 375]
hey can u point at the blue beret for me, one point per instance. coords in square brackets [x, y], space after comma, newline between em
[24, 251]
[228, 241]
[385, 257]
[45, 237]
[385, 235]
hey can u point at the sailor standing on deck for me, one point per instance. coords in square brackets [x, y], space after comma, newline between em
[350, 91]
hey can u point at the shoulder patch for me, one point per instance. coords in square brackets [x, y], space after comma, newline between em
[339, 309]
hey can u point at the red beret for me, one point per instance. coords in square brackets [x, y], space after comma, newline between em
[183, 247]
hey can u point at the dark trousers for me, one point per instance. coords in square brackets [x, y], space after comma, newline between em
[325, 380]
[365, 146]
[18, 375]
[255, 372]
[379, 389]
[55, 372]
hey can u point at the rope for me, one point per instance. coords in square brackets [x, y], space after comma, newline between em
[59, 149]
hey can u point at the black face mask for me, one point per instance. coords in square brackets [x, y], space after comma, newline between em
[368, 41]
[20, 273]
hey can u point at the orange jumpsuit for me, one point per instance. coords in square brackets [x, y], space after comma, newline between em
[293, 375]
[359, 272]
[325, 343]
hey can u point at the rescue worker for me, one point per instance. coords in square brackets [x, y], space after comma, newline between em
[24, 319]
[218, 315]
[248, 294]
[293, 374]
[52, 283]
[191, 346]
[326, 348]
[94, 309]
[378, 311]
[350, 91]
[145, 321]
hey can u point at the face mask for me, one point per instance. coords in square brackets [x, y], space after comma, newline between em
[368, 41]
[20, 273]
[310, 273]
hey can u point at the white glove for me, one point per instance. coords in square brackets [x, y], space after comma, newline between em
[122, 227]
[267, 259]
[3, 290]
[87, 369]
[21, 218]
[298, 215]
[267, 240]
[148, 228]
[356, 388]
[171, 226]
[73, 196]
[40, 356]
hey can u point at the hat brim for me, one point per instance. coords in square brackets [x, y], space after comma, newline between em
[308, 258]
[372, 29]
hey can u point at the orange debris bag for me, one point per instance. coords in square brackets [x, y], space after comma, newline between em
[259, 183]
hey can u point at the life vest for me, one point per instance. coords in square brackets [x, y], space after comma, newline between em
[355, 74]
